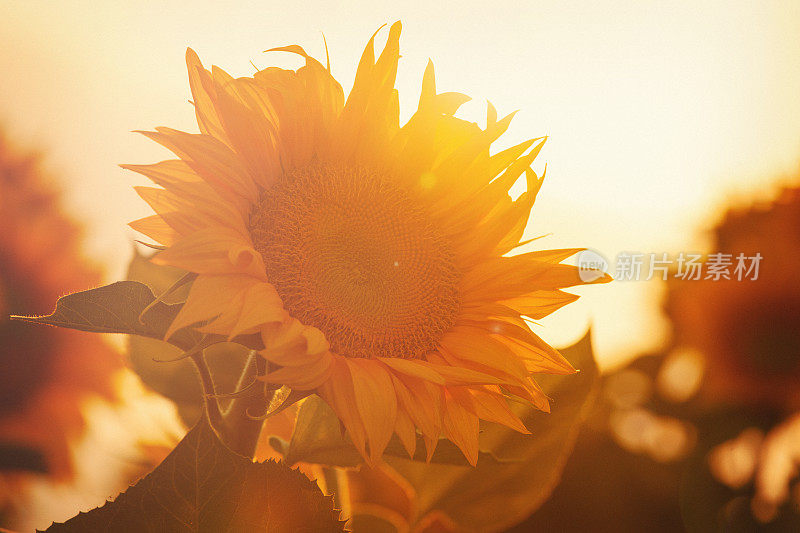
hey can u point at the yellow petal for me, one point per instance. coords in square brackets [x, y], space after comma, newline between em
[370, 115]
[248, 116]
[212, 160]
[207, 118]
[156, 228]
[376, 401]
[406, 432]
[472, 344]
[461, 427]
[304, 377]
[539, 304]
[493, 407]
[339, 393]
[504, 278]
[526, 344]
[420, 400]
[188, 195]
[168, 173]
[207, 296]
[460, 375]
[214, 250]
[419, 369]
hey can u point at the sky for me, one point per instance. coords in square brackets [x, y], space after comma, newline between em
[659, 114]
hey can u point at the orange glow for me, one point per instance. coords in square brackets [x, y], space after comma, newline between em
[398, 296]
[654, 112]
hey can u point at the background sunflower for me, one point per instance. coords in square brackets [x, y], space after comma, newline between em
[702, 435]
[747, 331]
[46, 374]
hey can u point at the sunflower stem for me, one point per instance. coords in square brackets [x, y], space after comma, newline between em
[209, 391]
[240, 428]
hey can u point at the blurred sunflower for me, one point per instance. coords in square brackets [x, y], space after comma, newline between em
[46, 373]
[748, 330]
[372, 258]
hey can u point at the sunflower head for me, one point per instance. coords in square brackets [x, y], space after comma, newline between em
[353, 255]
[373, 258]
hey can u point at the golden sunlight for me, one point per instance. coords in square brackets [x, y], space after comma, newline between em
[424, 267]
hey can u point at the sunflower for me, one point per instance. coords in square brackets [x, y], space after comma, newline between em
[747, 330]
[46, 375]
[373, 259]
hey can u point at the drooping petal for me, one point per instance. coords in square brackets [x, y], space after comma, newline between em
[207, 296]
[421, 401]
[405, 430]
[376, 401]
[257, 305]
[214, 250]
[493, 407]
[338, 391]
[461, 427]
[304, 377]
[295, 346]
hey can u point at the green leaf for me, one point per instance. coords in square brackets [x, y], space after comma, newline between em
[130, 307]
[318, 439]
[126, 307]
[203, 486]
[494, 496]
[116, 308]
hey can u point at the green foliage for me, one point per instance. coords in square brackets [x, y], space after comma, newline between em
[126, 307]
[203, 486]
[159, 364]
[131, 307]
